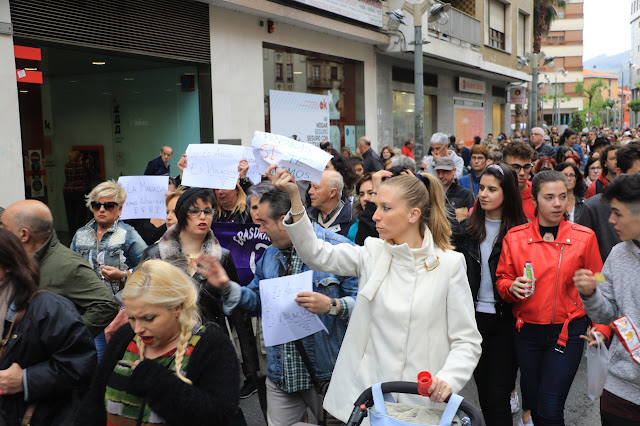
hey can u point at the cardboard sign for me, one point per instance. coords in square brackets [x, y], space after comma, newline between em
[283, 320]
[216, 165]
[145, 197]
[304, 161]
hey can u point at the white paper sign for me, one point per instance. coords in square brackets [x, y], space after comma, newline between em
[145, 197]
[304, 161]
[216, 165]
[283, 320]
[302, 114]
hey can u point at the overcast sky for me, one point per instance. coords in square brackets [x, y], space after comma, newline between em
[607, 29]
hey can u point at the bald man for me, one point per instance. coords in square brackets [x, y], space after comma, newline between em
[160, 166]
[372, 162]
[62, 271]
[328, 208]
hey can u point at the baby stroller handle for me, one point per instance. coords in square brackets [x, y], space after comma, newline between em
[365, 400]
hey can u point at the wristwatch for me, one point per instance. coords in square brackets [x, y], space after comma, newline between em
[335, 307]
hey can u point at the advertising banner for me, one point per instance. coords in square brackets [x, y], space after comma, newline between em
[303, 115]
[367, 11]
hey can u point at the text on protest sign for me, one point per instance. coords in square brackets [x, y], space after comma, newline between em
[145, 197]
[304, 161]
[212, 166]
[283, 320]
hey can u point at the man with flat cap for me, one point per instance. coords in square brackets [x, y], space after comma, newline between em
[62, 271]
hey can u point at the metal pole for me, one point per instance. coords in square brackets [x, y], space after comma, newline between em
[418, 82]
[622, 102]
[533, 99]
[556, 111]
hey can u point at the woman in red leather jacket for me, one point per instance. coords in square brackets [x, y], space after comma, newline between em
[550, 319]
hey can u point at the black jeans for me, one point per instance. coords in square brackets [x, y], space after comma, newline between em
[495, 374]
[241, 321]
[546, 374]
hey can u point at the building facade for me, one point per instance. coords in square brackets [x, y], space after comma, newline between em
[564, 41]
[469, 65]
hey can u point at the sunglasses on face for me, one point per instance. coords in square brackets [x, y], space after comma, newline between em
[109, 205]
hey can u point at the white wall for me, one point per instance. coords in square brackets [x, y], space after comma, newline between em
[237, 69]
[11, 172]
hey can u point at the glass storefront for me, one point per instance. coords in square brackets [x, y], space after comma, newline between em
[404, 117]
[294, 70]
[118, 111]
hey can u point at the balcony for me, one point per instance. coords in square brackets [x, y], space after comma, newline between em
[461, 29]
[323, 83]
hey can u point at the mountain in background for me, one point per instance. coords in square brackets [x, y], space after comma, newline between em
[611, 64]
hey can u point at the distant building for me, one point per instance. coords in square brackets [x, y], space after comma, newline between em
[634, 72]
[565, 42]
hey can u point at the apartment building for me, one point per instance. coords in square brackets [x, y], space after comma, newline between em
[469, 66]
[565, 42]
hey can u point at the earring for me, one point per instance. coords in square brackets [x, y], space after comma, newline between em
[410, 220]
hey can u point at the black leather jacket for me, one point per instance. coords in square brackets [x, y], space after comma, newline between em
[471, 251]
[57, 351]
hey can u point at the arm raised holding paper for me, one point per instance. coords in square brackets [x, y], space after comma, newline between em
[332, 298]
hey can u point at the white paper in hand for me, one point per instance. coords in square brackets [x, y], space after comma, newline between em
[212, 166]
[283, 320]
[145, 197]
[304, 161]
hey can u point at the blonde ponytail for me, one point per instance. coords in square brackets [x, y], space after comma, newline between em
[429, 198]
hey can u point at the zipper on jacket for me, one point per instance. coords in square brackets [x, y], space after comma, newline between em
[555, 294]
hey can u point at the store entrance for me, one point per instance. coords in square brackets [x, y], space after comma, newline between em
[117, 111]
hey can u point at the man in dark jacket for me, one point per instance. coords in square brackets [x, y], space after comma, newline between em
[459, 197]
[160, 166]
[372, 162]
[328, 208]
[62, 271]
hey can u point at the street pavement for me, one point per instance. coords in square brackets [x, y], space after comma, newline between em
[579, 409]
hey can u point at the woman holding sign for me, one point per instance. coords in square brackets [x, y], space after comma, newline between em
[414, 309]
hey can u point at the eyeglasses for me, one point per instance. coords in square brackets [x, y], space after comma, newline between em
[595, 168]
[518, 167]
[195, 211]
[570, 175]
[108, 206]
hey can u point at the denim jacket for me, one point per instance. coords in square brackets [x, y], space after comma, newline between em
[322, 348]
[121, 247]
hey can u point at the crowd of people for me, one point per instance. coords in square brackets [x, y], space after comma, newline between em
[475, 261]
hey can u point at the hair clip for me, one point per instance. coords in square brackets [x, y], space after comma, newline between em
[496, 166]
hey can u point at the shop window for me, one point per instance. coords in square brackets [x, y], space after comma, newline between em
[404, 117]
[340, 78]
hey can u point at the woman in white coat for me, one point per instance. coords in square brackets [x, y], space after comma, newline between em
[414, 311]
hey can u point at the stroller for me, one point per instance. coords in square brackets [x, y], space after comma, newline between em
[379, 393]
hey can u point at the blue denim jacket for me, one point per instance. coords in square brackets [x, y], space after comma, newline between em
[322, 348]
[121, 247]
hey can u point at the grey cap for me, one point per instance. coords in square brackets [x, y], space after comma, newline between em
[444, 163]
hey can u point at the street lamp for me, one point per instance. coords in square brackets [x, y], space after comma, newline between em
[630, 65]
[437, 12]
[556, 109]
[534, 59]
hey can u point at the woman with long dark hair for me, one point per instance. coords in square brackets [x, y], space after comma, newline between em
[535, 274]
[498, 209]
[48, 353]
[569, 139]
[576, 189]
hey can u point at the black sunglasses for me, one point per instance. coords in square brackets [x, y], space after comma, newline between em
[109, 205]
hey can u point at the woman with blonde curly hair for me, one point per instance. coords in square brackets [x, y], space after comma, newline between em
[163, 367]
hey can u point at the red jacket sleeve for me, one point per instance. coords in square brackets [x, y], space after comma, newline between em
[591, 191]
[506, 272]
[592, 259]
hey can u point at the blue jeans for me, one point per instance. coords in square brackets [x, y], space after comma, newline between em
[546, 374]
[101, 342]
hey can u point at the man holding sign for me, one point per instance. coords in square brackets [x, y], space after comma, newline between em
[289, 388]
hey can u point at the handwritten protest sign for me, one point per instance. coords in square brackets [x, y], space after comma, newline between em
[304, 161]
[283, 320]
[254, 173]
[212, 166]
[145, 197]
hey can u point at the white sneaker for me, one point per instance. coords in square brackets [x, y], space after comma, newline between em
[515, 403]
[529, 423]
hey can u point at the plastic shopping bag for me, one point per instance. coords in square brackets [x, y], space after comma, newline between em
[597, 367]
